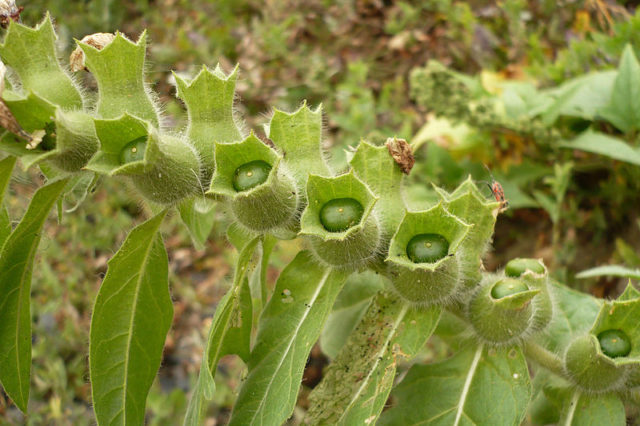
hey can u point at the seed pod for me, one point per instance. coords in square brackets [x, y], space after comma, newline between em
[501, 311]
[590, 369]
[518, 266]
[614, 343]
[437, 280]
[468, 203]
[338, 221]
[251, 175]
[164, 168]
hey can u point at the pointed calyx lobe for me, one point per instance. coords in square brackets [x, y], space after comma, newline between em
[209, 101]
[31, 53]
[119, 71]
[298, 136]
[467, 203]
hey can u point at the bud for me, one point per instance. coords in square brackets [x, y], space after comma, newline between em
[338, 220]
[97, 40]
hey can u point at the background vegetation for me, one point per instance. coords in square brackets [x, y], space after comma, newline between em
[359, 58]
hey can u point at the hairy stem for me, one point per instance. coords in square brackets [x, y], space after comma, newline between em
[544, 358]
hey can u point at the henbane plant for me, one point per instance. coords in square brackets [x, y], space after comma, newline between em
[375, 281]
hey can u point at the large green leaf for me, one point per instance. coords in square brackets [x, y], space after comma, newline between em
[6, 168]
[599, 143]
[592, 410]
[356, 385]
[623, 110]
[16, 266]
[573, 315]
[477, 386]
[289, 326]
[130, 321]
[581, 97]
[350, 306]
[230, 333]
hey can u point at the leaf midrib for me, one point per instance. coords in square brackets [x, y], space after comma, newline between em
[131, 322]
[311, 302]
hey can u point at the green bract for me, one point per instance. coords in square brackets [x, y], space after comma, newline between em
[264, 206]
[467, 203]
[32, 54]
[519, 266]
[347, 244]
[250, 175]
[340, 214]
[168, 171]
[119, 71]
[209, 101]
[433, 282]
[501, 310]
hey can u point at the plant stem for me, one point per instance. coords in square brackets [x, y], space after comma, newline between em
[544, 357]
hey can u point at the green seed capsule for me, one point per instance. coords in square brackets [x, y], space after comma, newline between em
[427, 248]
[517, 267]
[133, 151]
[250, 175]
[614, 343]
[340, 214]
[507, 287]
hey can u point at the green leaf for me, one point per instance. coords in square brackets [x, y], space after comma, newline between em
[119, 71]
[6, 169]
[573, 315]
[31, 52]
[476, 386]
[357, 383]
[623, 110]
[299, 136]
[289, 326]
[581, 97]
[230, 333]
[130, 321]
[198, 214]
[16, 265]
[350, 306]
[599, 143]
[610, 271]
[596, 410]
[209, 101]
[5, 224]
[375, 166]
